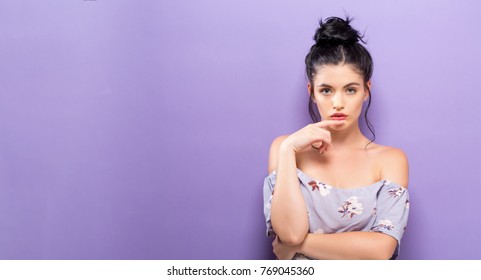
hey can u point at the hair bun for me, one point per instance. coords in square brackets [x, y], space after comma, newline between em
[336, 31]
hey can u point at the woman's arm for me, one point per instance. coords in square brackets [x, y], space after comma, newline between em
[288, 209]
[353, 245]
[348, 245]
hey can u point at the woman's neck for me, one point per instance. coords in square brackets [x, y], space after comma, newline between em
[348, 139]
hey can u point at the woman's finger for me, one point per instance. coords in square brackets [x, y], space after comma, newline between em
[317, 145]
[326, 123]
[323, 149]
[324, 135]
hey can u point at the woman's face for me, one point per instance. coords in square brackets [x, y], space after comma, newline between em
[338, 89]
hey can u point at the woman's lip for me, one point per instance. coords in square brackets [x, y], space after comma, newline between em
[339, 118]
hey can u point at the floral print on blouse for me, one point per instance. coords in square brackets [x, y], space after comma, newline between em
[380, 207]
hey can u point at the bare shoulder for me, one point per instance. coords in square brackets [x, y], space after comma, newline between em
[394, 165]
[274, 152]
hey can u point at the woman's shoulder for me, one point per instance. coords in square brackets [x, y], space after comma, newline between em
[278, 141]
[387, 152]
[274, 152]
[393, 163]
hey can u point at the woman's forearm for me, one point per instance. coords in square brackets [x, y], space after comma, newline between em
[288, 210]
[348, 245]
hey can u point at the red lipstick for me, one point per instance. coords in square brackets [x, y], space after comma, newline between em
[338, 116]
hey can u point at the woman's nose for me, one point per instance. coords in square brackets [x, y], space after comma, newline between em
[337, 102]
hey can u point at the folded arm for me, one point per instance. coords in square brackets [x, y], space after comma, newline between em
[348, 245]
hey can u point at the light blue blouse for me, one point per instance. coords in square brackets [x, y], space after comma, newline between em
[380, 207]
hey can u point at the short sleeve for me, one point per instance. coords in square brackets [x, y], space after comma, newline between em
[392, 211]
[269, 183]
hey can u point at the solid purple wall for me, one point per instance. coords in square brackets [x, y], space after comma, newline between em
[141, 129]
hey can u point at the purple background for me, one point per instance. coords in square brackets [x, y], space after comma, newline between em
[141, 129]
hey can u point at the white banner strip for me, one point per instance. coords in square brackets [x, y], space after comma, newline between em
[231, 270]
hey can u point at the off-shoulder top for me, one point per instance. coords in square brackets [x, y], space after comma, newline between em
[380, 207]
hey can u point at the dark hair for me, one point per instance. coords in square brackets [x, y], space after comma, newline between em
[337, 42]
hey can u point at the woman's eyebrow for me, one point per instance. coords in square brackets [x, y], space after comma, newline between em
[348, 85]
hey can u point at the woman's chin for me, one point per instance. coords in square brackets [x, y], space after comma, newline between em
[338, 127]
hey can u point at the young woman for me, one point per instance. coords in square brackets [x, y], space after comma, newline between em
[332, 193]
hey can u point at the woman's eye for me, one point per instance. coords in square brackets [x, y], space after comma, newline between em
[351, 90]
[325, 91]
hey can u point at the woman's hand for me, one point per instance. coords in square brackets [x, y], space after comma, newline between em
[315, 134]
[282, 251]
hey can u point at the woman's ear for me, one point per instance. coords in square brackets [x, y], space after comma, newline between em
[309, 92]
[368, 91]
